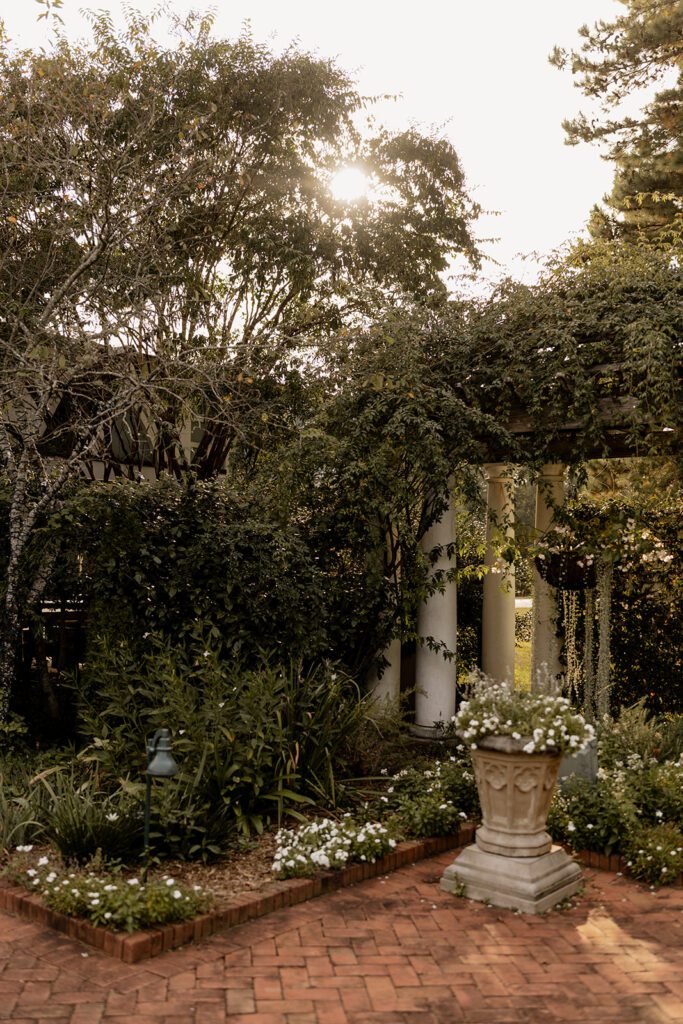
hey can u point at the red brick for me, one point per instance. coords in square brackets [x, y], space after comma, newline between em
[137, 947]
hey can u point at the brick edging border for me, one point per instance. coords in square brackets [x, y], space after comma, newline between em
[142, 945]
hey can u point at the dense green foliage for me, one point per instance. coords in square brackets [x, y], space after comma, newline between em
[336, 386]
[82, 820]
[634, 809]
[172, 559]
[253, 744]
[595, 344]
[434, 800]
[170, 245]
[636, 806]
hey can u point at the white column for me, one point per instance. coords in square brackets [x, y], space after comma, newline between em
[435, 675]
[498, 612]
[546, 645]
[388, 686]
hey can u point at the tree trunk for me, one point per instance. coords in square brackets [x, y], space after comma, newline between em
[9, 641]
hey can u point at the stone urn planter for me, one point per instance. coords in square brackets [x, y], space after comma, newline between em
[516, 742]
[515, 790]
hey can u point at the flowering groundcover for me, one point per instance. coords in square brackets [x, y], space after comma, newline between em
[117, 902]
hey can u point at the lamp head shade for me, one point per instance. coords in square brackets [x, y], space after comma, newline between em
[161, 762]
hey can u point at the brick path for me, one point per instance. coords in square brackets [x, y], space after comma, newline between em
[394, 950]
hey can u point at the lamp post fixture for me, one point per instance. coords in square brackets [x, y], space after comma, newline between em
[160, 765]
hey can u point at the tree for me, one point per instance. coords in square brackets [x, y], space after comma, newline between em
[168, 240]
[642, 47]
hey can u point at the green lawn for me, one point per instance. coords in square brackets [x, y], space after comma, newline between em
[523, 665]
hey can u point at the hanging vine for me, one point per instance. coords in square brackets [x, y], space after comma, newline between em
[589, 708]
[604, 592]
[570, 608]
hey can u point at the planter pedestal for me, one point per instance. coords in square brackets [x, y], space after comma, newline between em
[512, 862]
[530, 884]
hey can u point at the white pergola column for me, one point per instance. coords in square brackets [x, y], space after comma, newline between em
[498, 612]
[388, 686]
[546, 645]
[435, 675]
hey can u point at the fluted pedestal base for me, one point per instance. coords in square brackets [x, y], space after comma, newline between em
[529, 884]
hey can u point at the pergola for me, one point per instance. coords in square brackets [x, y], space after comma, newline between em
[436, 674]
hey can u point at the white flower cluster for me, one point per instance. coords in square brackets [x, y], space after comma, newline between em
[547, 723]
[326, 844]
[114, 901]
[660, 857]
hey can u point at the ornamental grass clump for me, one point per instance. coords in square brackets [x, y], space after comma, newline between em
[326, 844]
[544, 722]
[122, 904]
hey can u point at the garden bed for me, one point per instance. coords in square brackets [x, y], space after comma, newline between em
[228, 910]
[243, 890]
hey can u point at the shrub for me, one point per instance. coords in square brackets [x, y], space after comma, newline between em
[656, 854]
[597, 817]
[159, 557]
[329, 844]
[657, 791]
[432, 801]
[523, 579]
[524, 626]
[671, 737]
[13, 734]
[123, 904]
[633, 732]
[252, 745]
[429, 815]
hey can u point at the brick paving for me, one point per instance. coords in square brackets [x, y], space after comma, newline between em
[393, 950]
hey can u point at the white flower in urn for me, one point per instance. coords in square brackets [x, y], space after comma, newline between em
[544, 723]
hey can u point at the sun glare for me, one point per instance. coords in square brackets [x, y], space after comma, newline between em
[349, 183]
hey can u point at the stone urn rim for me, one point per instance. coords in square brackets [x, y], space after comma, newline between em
[510, 745]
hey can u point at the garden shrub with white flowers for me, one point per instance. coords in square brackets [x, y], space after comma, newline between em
[325, 844]
[123, 904]
[431, 801]
[635, 809]
[656, 855]
[546, 723]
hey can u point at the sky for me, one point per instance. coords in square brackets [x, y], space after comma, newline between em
[476, 69]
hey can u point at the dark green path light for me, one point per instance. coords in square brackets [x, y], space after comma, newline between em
[161, 765]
